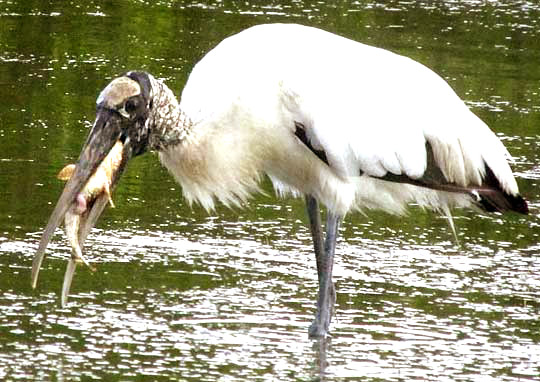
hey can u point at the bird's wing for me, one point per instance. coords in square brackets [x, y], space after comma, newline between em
[369, 111]
[374, 112]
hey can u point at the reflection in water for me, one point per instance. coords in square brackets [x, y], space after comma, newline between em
[163, 305]
[320, 346]
[180, 295]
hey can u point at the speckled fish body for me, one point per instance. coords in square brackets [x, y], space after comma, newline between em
[85, 210]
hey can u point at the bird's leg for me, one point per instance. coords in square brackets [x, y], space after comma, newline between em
[325, 260]
[314, 215]
[327, 294]
[317, 236]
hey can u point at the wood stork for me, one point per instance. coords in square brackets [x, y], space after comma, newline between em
[341, 123]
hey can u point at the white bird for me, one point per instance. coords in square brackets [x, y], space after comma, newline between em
[341, 123]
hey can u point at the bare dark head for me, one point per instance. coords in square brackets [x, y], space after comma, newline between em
[123, 111]
[123, 108]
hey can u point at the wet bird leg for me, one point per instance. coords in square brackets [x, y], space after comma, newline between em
[325, 259]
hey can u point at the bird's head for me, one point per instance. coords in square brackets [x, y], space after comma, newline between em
[124, 110]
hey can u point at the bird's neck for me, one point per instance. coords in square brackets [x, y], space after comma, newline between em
[168, 125]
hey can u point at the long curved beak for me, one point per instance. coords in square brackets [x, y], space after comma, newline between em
[105, 132]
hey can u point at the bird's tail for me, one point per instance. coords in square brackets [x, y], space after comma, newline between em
[491, 197]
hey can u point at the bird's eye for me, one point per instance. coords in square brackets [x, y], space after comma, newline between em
[131, 105]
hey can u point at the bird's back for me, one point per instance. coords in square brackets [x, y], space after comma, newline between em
[372, 112]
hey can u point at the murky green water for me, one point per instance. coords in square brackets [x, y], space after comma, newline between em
[183, 295]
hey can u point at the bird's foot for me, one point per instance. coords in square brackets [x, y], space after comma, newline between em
[320, 325]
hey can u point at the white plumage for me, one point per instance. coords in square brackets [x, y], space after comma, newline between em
[339, 122]
[371, 111]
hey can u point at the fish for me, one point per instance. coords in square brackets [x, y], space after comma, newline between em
[86, 208]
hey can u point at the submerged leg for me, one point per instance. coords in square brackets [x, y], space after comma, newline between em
[325, 260]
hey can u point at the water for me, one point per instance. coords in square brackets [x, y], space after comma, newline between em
[180, 294]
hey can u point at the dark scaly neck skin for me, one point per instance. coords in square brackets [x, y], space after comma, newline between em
[168, 125]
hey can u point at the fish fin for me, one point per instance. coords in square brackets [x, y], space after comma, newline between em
[83, 260]
[77, 255]
[66, 173]
[107, 190]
